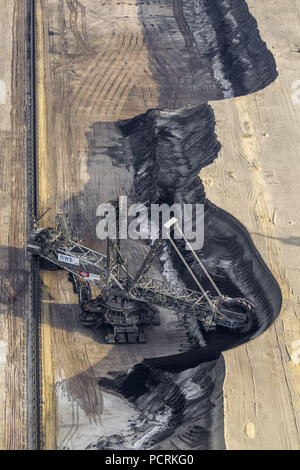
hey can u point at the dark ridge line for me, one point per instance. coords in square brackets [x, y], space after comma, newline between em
[207, 42]
[176, 146]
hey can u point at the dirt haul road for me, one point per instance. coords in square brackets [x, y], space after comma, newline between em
[14, 272]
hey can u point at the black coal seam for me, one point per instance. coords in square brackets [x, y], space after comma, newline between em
[184, 142]
[247, 62]
[220, 43]
[152, 132]
[150, 184]
[256, 64]
[195, 60]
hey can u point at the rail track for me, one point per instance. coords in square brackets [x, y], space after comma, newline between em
[35, 438]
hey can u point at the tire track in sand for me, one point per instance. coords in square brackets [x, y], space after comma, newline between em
[100, 93]
[120, 64]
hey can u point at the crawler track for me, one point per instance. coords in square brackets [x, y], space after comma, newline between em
[34, 321]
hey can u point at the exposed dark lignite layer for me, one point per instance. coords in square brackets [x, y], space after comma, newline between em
[177, 411]
[201, 50]
[168, 151]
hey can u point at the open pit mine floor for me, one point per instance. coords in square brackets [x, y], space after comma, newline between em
[156, 93]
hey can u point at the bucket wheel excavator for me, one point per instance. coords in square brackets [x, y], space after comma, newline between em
[126, 304]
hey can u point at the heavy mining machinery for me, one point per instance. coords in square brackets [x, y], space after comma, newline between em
[127, 303]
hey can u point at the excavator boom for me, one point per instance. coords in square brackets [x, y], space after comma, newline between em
[126, 302]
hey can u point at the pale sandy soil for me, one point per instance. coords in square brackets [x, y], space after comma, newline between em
[77, 87]
[256, 178]
[68, 107]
